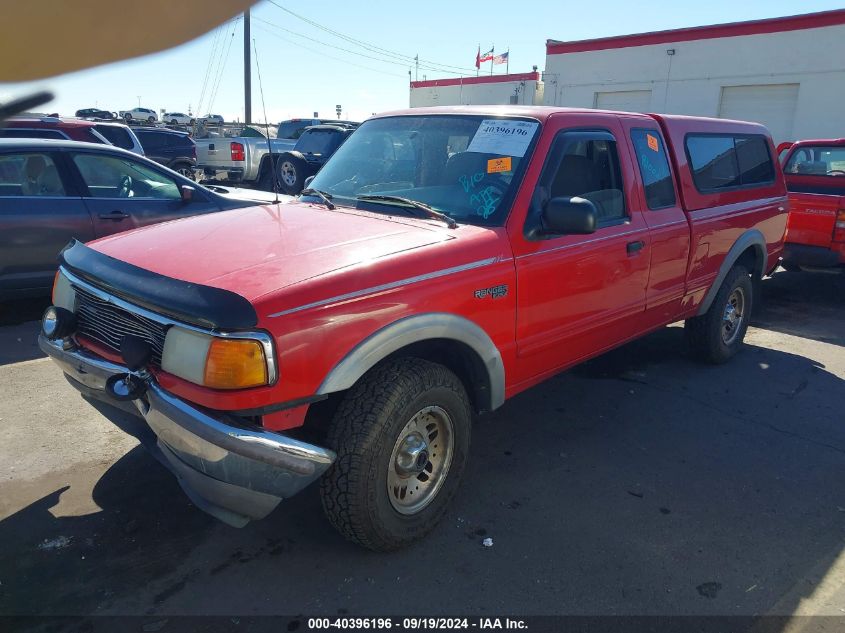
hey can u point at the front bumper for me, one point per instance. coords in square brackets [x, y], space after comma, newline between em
[233, 471]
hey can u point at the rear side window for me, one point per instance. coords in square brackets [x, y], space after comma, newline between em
[317, 142]
[29, 175]
[654, 169]
[149, 140]
[116, 136]
[726, 161]
[19, 133]
[292, 129]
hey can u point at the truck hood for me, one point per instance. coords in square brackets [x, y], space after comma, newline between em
[257, 250]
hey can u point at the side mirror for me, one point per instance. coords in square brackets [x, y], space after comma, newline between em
[308, 182]
[571, 216]
[187, 192]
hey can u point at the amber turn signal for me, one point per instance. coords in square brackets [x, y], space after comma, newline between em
[235, 364]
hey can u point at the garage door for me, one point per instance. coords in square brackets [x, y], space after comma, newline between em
[625, 100]
[773, 105]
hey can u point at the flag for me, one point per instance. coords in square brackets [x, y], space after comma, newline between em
[478, 57]
[501, 59]
[486, 57]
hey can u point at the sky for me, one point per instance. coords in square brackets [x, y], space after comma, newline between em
[313, 55]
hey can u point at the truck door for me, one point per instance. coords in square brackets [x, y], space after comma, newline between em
[579, 294]
[668, 224]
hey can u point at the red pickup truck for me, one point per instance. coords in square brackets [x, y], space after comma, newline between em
[815, 180]
[442, 261]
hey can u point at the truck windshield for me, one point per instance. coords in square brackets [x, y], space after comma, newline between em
[467, 167]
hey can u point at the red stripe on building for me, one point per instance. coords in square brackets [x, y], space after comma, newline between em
[469, 81]
[732, 29]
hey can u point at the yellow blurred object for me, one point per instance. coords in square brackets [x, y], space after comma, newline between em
[235, 364]
[52, 37]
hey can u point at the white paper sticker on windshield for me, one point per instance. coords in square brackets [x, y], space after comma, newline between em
[503, 136]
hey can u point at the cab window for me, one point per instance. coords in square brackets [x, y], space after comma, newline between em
[589, 168]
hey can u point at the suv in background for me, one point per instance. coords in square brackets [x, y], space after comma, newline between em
[292, 129]
[178, 118]
[53, 127]
[139, 114]
[170, 148]
[313, 148]
[120, 135]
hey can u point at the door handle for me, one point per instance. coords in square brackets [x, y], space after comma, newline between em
[114, 215]
[634, 247]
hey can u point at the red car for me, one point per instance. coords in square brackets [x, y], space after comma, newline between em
[442, 261]
[815, 179]
[52, 127]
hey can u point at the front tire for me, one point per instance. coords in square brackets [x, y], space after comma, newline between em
[717, 335]
[150, 119]
[402, 438]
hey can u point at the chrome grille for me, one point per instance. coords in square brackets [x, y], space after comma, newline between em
[107, 323]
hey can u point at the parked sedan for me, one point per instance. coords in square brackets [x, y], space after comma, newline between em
[177, 118]
[212, 119]
[95, 113]
[170, 148]
[52, 191]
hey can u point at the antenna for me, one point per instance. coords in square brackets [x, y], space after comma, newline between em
[266, 126]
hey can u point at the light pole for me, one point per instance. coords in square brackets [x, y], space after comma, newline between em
[139, 101]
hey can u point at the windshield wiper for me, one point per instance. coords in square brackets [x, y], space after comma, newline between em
[430, 212]
[326, 198]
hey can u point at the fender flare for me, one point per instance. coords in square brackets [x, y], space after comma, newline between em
[751, 238]
[290, 154]
[414, 329]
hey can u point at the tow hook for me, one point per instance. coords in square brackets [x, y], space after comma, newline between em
[136, 353]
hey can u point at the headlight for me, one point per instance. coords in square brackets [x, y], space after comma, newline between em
[218, 362]
[57, 323]
[64, 296]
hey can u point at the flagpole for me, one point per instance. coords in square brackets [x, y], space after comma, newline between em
[508, 60]
[477, 64]
[492, 55]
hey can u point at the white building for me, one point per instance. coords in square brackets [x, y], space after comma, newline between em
[522, 89]
[787, 73]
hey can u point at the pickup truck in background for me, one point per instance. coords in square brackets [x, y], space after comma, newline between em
[245, 158]
[815, 179]
[442, 261]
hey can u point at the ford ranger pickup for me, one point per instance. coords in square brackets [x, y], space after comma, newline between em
[442, 261]
[815, 180]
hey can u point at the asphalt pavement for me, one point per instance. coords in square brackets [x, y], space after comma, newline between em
[638, 483]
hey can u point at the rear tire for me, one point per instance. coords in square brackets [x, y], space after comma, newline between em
[174, 122]
[290, 173]
[185, 170]
[717, 335]
[403, 429]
